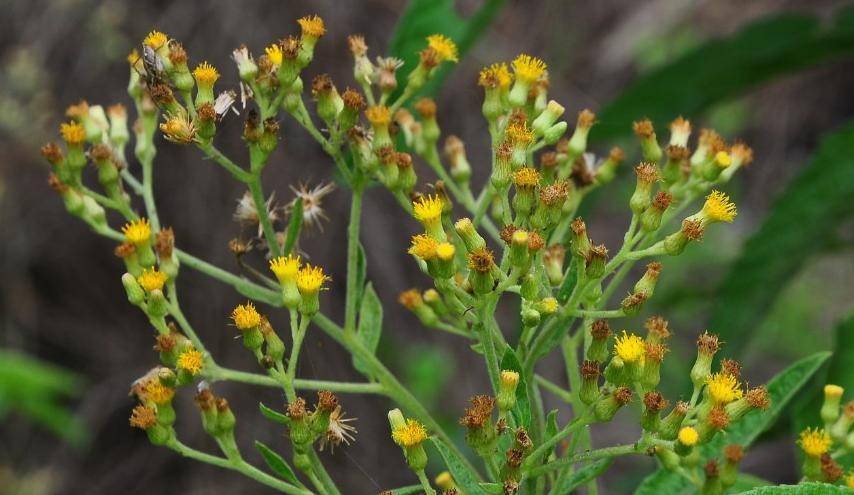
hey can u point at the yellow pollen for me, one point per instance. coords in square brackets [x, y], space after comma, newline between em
[549, 305]
[519, 134]
[722, 159]
[427, 209]
[424, 247]
[155, 39]
[526, 177]
[445, 251]
[723, 388]
[718, 207]
[410, 434]
[629, 347]
[285, 268]
[312, 26]
[310, 279]
[191, 361]
[274, 54]
[205, 74]
[138, 231]
[156, 392]
[688, 436]
[245, 316]
[815, 442]
[72, 133]
[151, 279]
[444, 47]
[509, 378]
[528, 68]
[833, 391]
[495, 74]
[378, 115]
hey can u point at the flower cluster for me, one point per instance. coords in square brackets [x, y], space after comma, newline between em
[826, 448]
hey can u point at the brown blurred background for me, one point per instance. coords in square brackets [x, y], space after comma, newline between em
[60, 293]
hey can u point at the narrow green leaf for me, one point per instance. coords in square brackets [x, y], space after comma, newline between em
[294, 227]
[408, 490]
[816, 202]
[551, 424]
[724, 68]
[370, 324]
[565, 289]
[522, 409]
[583, 475]
[802, 489]
[361, 272]
[466, 479]
[276, 463]
[273, 415]
[746, 482]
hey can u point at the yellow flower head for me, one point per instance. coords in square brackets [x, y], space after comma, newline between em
[205, 74]
[548, 305]
[723, 159]
[526, 177]
[151, 279]
[72, 133]
[495, 76]
[285, 268]
[156, 392]
[427, 209]
[274, 54]
[849, 479]
[137, 232]
[445, 251]
[410, 434]
[445, 48]
[245, 316]
[178, 129]
[310, 279]
[719, 208]
[723, 388]
[509, 378]
[688, 436]
[312, 26]
[832, 391]
[528, 68]
[191, 361]
[629, 347]
[424, 247]
[519, 134]
[133, 57]
[155, 39]
[378, 115]
[815, 442]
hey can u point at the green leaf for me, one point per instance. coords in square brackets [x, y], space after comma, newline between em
[565, 289]
[585, 474]
[802, 489]
[273, 415]
[466, 479]
[276, 463]
[425, 17]
[802, 223]
[781, 389]
[361, 272]
[724, 68]
[522, 409]
[294, 226]
[746, 482]
[370, 324]
[551, 424]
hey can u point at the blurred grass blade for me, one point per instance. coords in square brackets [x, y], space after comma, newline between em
[803, 222]
[724, 68]
[802, 489]
[585, 474]
[425, 17]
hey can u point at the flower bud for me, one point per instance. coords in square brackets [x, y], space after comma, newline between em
[649, 143]
[467, 232]
[733, 454]
[671, 425]
[686, 439]
[610, 402]
[589, 381]
[707, 347]
[578, 142]
[647, 175]
[554, 133]
[507, 384]
[459, 165]
[830, 408]
[553, 260]
[692, 230]
[412, 300]
[607, 170]
[599, 333]
[650, 219]
[597, 257]
[547, 118]
[839, 430]
[519, 249]
[136, 295]
[329, 102]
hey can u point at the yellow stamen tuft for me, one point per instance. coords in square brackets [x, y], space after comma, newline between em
[410, 434]
[723, 388]
[526, 177]
[205, 74]
[718, 207]
[312, 26]
[274, 54]
[445, 251]
[156, 392]
[688, 436]
[285, 268]
[528, 68]
[72, 133]
[495, 76]
[427, 209]
[444, 47]
[833, 391]
[138, 231]
[549, 305]
[191, 361]
[722, 159]
[155, 39]
[151, 279]
[378, 115]
[509, 378]
[519, 134]
[245, 316]
[310, 279]
[424, 247]
[629, 347]
[815, 442]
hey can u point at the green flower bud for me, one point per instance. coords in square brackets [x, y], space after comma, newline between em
[672, 423]
[554, 133]
[467, 232]
[830, 408]
[649, 143]
[508, 382]
[578, 142]
[519, 249]
[733, 454]
[547, 118]
[610, 402]
[647, 175]
[135, 293]
[589, 381]
[597, 257]
[650, 219]
[707, 346]
[599, 333]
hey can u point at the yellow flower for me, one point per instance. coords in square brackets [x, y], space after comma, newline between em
[424, 247]
[151, 279]
[138, 231]
[519, 134]
[178, 129]
[815, 442]
[549, 305]
[526, 177]
[629, 347]
[410, 434]
[191, 361]
[245, 316]
[495, 76]
[156, 392]
[378, 115]
[205, 74]
[285, 267]
[528, 68]
[427, 209]
[274, 53]
[310, 279]
[72, 133]
[445, 251]
[509, 378]
[719, 208]
[849, 479]
[444, 47]
[833, 391]
[688, 436]
[312, 26]
[155, 39]
[722, 159]
[723, 388]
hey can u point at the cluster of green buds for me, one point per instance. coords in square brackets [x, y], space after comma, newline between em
[827, 448]
[305, 428]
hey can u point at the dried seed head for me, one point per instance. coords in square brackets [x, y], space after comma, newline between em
[589, 369]
[515, 457]
[143, 417]
[353, 100]
[708, 343]
[600, 330]
[481, 260]
[733, 453]
[643, 129]
[654, 401]
[479, 413]
[523, 439]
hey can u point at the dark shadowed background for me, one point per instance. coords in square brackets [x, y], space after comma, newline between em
[60, 294]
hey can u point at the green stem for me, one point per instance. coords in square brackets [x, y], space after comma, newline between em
[548, 445]
[297, 335]
[590, 455]
[425, 483]
[214, 154]
[353, 257]
[254, 185]
[216, 373]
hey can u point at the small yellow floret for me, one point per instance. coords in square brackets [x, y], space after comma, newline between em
[815, 442]
[156, 392]
[548, 305]
[722, 159]
[445, 251]
[528, 68]
[496, 75]
[191, 361]
[133, 57]
[155, 39]
[274, 54]
[310, 279]
[72, 133]
[205, 74]
[151, 279]
[285, 267]
[410, 434]
[427, 209]
[688, 436]
[849, 479]
[424, 247]
[629, 347]
[833, 391]
[444, 47]
[245, 316]
[138, 231]
[312, 26]
[378, 115]
[718, 207]
[723, 388]
[519, 134]
[526, 177]
[509, 378]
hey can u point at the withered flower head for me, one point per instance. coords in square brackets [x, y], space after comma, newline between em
[662, 200]
[356, 44]
[657, 325]
[554, 195]
[165, 343]
[124, 250]
[578, 226]
[830, 469]
[758, 398]
[523, 439]
[643, 129]
[143, 417]
[296, 409]
[708, 343]
[515, 457]
[479, 413]
[586, 119]
[676, 153]
[507, 232]
[623, 395]
[321, 85]
[590, 369]
[205, 399]
[290, 47]
[718, 418]
[733, 453]
[164, 242]
[731, 367]
[535, 241]
[600, 330]
[655, 352]
[712, 140]
[654, 401]
[353, 100]
[647, 172]
[52, 153]
[616, 154]
[711, 469]
[326, 401]
[693, 229]
[481, 260]
[426, 107]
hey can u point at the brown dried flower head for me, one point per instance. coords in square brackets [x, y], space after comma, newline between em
[479, 413]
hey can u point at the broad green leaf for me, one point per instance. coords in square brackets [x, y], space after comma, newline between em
[724, 68]
[466, 479]
[425, 17]
[746, 482]
[583, 475]
[565, 289]
[276, 463]
[408, 490]
[781, 389]
[273, 415]
[294, 227]
[802, 489]
[802, 223]
[522, 409]
[370, 324]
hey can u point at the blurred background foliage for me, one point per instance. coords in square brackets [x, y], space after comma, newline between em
[774, 73]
